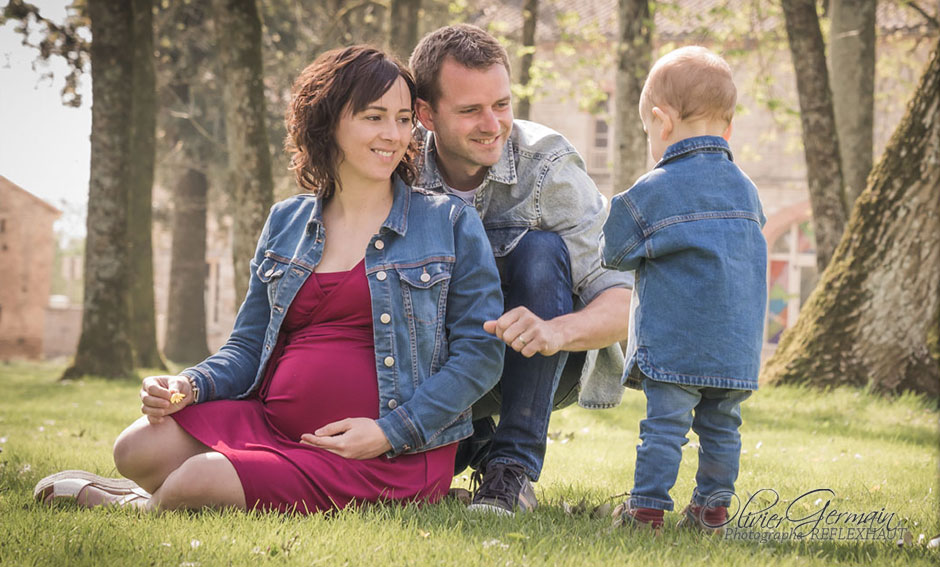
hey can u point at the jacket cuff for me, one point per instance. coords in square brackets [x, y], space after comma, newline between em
[201, 379]
[401, 432]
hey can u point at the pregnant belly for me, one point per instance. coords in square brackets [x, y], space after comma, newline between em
[319, 382]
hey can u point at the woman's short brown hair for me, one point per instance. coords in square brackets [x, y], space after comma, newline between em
[338, 81]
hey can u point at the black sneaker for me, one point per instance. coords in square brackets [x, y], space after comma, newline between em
[504, 489]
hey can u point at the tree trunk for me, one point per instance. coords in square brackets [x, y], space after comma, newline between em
[820, 143]
[403, 27]
[874, 318]
[191, 122]
[238, 33]
[530, 15]
[186, 307]
[852, 58]
[104, 348]
[634, 58]
[143, 325]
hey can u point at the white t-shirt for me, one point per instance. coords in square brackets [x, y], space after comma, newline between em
[465, 195]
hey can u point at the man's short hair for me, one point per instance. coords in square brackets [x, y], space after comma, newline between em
[468, 45]
[693, 81]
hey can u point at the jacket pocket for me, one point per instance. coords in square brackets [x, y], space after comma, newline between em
[424, 291]
[424, 296]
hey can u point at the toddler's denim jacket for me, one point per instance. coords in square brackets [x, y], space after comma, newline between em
[691, 229]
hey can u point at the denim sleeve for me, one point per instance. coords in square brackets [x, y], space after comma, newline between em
[571, 206]
[622, 243]
[475, 358]
[232, 370]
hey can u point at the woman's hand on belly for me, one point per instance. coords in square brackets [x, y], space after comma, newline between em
[352, 438]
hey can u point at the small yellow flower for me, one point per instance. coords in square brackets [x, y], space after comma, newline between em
[176, 398]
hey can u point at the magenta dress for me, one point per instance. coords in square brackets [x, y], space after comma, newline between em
[322, 370]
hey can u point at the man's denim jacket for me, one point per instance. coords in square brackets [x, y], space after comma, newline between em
[691, 228]
[433, 283]
[540, 183]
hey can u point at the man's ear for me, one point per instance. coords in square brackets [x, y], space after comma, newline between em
[666, 118]
[727, 133]
[423, 111]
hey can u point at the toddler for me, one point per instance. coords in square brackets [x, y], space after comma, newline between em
[691, 230]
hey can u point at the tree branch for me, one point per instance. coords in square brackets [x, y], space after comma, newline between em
[930, 19]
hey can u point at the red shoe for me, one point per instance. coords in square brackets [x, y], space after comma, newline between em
[709, 520]
[638, 518]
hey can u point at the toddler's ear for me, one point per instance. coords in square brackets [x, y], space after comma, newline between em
[727, 133]
[666, 118]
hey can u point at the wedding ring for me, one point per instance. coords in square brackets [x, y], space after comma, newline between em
[523, 341]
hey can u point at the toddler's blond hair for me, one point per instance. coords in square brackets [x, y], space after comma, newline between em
[693, 81]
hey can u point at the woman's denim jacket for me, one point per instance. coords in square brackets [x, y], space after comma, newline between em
[691, 228]
[433, 283]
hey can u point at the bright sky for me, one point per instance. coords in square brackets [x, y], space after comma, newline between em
[44, 146]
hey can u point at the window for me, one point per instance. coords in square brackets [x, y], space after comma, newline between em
[792, 277]
[601, 134]
[599, 153]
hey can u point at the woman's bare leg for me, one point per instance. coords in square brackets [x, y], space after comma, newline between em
[148, 453]
[178, 470]
[206, 480]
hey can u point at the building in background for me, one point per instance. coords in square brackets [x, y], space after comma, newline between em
[27, 249]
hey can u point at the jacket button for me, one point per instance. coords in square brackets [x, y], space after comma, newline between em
[389, 361]
[392, 404]
[379, 245]
[385, 318]
[380, 276]
[425, 277]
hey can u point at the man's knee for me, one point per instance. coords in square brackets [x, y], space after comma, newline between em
[539, 257]
[537, 275]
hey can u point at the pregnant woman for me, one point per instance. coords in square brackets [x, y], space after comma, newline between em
[360, 345]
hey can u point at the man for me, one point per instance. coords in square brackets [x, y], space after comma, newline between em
[543, 215]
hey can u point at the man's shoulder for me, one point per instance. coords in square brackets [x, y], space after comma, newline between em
[537, 139]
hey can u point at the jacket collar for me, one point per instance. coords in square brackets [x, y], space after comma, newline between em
[429, 176]
[693, 145]
[397, 219]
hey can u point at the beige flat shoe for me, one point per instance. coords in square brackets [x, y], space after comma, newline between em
[69, 485]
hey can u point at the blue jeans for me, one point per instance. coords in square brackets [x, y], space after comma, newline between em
[671, 409]
[536, 274]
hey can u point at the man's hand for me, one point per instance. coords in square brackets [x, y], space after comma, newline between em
[527, 333]
[352, 438]
[155, 392]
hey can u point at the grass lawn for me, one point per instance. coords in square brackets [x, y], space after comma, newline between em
[879, 457]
